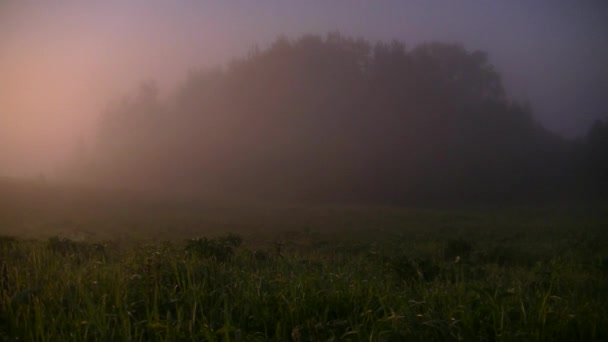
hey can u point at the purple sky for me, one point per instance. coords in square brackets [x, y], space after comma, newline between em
[61, 61]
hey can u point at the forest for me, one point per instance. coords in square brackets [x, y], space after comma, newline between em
[333, 118]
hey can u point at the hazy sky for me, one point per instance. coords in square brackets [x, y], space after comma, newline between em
[60, 61]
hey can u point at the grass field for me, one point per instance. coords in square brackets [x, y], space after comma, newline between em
[79, 265]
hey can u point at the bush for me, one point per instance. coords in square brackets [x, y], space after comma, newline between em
[67, 247]
[219, 249]
[7, 241]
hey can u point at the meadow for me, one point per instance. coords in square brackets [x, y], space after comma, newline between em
[84, 265]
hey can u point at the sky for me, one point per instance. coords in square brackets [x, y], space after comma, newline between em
[62, 62]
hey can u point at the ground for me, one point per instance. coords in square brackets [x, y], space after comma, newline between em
[80, 265]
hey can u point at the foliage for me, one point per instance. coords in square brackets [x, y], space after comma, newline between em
[379, 274]
[595, 159]
[335, 118]
[220, 249]
[69, 248]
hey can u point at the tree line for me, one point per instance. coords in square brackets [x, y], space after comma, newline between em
[340, 119]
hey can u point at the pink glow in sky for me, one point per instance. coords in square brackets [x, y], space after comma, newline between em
[62, 61]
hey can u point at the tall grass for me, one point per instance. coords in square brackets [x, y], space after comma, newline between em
[428, 276]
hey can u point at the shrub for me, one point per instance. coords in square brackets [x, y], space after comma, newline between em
[219, 249]
[7, 241]
[67, 247]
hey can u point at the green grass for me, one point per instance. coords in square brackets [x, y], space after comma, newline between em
[106, 270]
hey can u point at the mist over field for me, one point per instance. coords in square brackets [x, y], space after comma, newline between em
[348, 101]
[344, 170]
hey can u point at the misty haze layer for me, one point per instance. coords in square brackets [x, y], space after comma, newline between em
[340, 119]
[62, 61]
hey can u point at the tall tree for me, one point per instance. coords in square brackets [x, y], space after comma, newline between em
[336, 118]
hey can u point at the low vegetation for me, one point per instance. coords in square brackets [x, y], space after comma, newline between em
[313, 274]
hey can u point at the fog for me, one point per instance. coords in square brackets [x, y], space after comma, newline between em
[64, 63]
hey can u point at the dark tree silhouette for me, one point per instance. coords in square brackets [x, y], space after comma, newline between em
[335, 118]
[595, 152]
